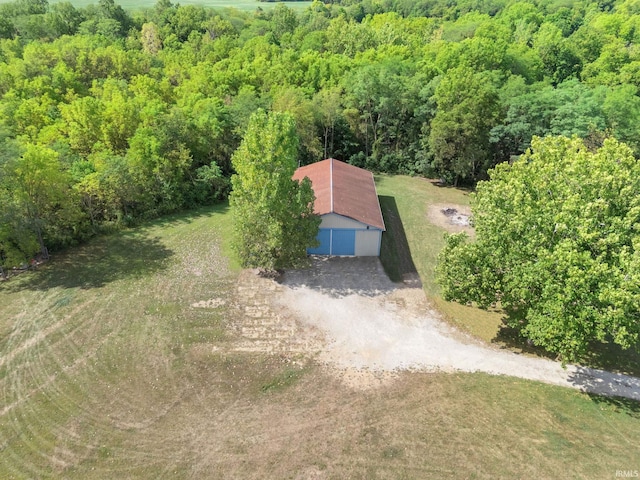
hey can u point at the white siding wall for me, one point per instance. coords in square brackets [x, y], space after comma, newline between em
[368, 243]
[333, 220]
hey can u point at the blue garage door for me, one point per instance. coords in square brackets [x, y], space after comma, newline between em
[324, 237]
[343, 242]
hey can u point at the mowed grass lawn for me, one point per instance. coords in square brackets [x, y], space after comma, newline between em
[133, 5]
[107, 370]
[406, 199]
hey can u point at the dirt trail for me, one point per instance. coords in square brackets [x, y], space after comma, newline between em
[383, 328]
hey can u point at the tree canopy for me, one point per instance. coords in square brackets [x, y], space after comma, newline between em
[557, 246]
[144, 110]
[274, 219]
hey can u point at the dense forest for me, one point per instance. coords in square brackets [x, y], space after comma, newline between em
[109, 117]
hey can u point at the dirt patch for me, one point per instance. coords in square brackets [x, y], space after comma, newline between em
[451, 217]
[363, 379]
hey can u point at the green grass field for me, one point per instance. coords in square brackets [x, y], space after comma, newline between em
[133, 5]
[107, 371]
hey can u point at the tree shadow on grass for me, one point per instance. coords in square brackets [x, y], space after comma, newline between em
[441, 183]
[395, 253]
[619, 404]
[185, 217]
[97, 263]
[110, 256]
[509, 338]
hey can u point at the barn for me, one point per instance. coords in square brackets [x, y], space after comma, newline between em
[347, 201]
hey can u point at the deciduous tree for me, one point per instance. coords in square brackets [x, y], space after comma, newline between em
[467, 111]
[274, 215]
[41, 197]
[557, 246]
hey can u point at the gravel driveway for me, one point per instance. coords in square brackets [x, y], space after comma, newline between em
[371, 323]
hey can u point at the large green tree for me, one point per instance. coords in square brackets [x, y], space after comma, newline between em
[557, 246]
[38, 199]
[274, 219]
[571, 108]
[468, 109]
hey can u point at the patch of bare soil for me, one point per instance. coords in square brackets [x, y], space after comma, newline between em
[451, 217]
[363, 379]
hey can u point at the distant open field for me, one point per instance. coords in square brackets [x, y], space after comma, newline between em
[130, 357]
[142, 4]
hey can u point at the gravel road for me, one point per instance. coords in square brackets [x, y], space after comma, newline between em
[377, 326]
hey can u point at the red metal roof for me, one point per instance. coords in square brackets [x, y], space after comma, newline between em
[343, 189]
